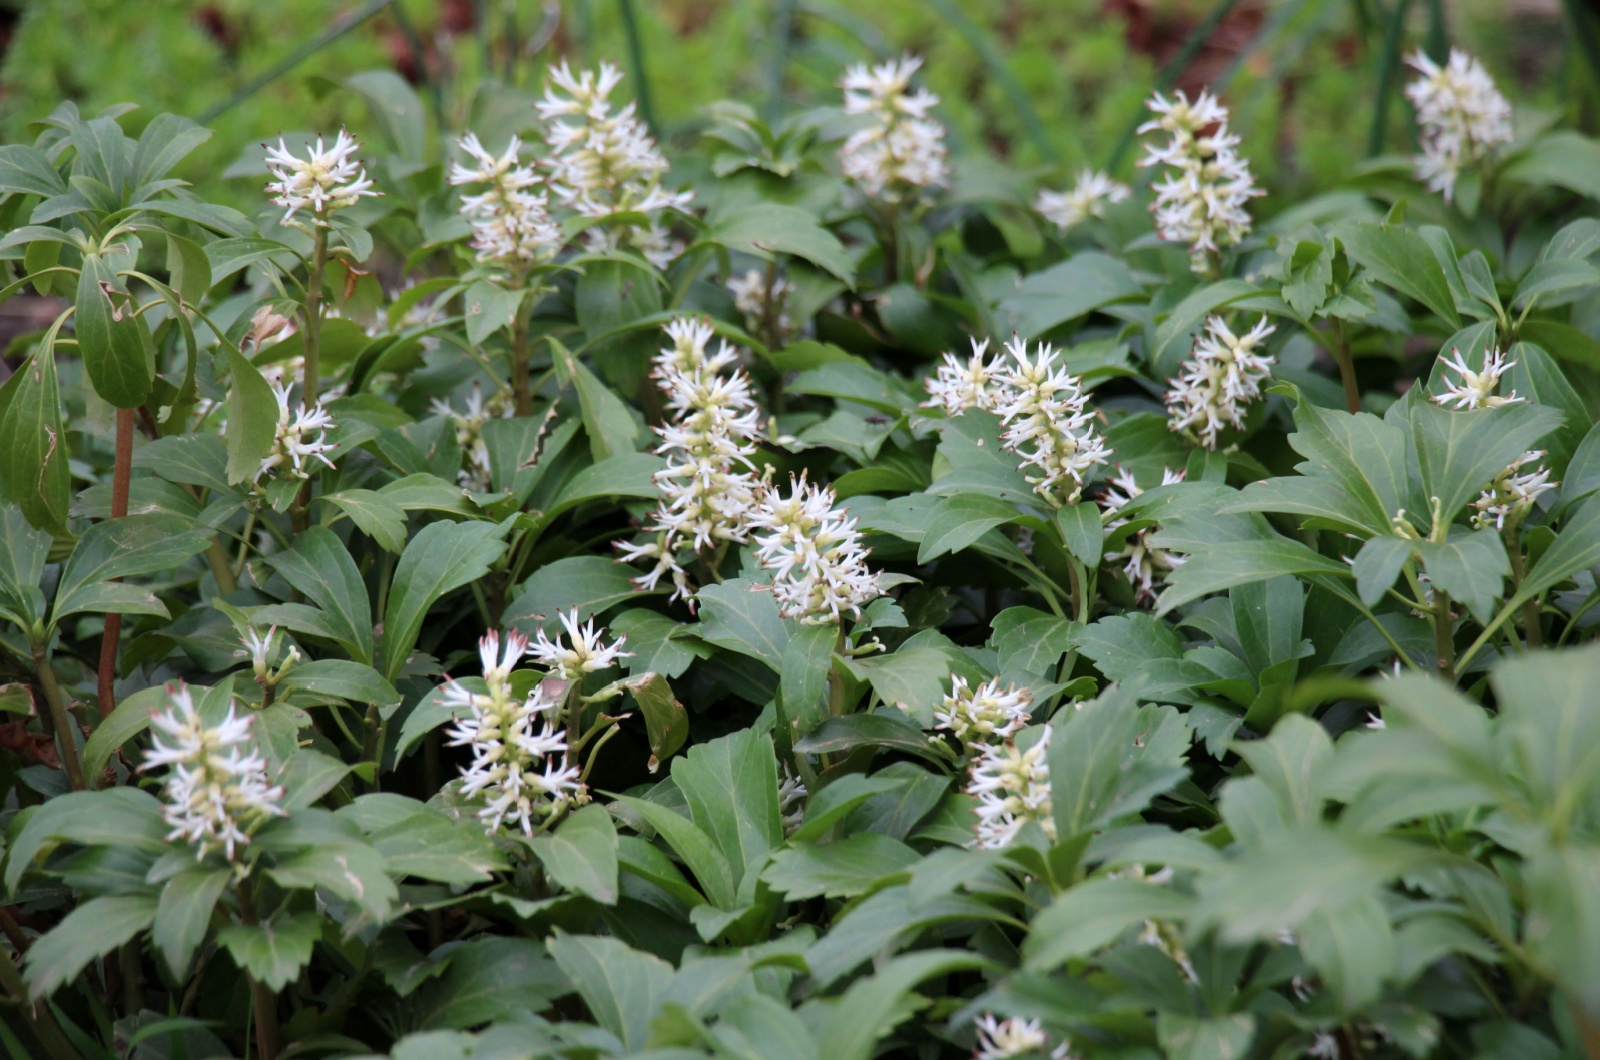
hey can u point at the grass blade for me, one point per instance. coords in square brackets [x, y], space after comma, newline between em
[1388, 71]
[641, 81]
[990, 53]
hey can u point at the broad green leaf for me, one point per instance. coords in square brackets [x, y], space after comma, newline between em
[1378, 564]
[489, 307]
[827, 807]
[841, 869]
[1288, 763]
[1563, 918]
[252, 418]
[697, 849]
[875, 1005]
[628, 475]
[113, 343]
[118, 817]
[854, 731]
[442, 557]
[396, 109]
[1564, 158]
[731, 785]
[621, 986]
[914, 678]
[1091, 915]
[774, 228]
[1030, 640]
[319, 565]
[96, 927]
[183, 914]
[1558, 277]
[969, 446]
[1082, 532]
[1353, 949]
[1068, 290]
[1185, 1037]
[342, 678]
[166, 141]
[581, 854]
[25, 170]
[274, 951]
[589, 584]
[742, 616]
[113, 598]
[131, 717]
[308, 775]
[1458, 453]
[125, 547]
[1400, 258]
[1108, 759]
[666, 723]
[33, 442]
[190, 459]
[959, 521]
[432, 846]
[1174, 336]
[1471, 567]
[376, 515]
[1546, 706]
[1242, 562]
[607, 420]
[803, 673]
[490, 978]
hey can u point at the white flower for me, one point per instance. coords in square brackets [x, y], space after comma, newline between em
[985, 713]
[469, 423]
[791, 800]
[325, 180]
[902, 151]
[1159, 933]
[1047, 422]
[1004, 1039]
[1012, 788]
[705, 499]
[262, 651]
[819, 569]
[521, 775]
[1143, 564]
[755, 299]
[1324, 1046]
[1462, 116]
[292, 444]
[1225, 373]
[509, 222]
[604, 163]
[1512, 494]
[1202, 201]
[217, 792]
[1476, 389]
[1087, 199]
[585, 655]
[957, 387]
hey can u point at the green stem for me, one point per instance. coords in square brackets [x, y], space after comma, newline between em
[264, 1002]
[373, 746]
[59, 716]
[1347, 367]
[1530, 607]
[217, 559]
[313, 316]
[39, 1020]
[1443, 635]
[520, 389]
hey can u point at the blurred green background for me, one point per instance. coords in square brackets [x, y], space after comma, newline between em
[1050, 85]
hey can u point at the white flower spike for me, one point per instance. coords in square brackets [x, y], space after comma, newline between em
[1225, 374]
[1476, 389]
[819, 569]
[985, 713]
[1012, 788]
[584, 655]
[1143, 564]
[1461, 116]
[293, 447]
[327, 179]
[901, 153]
[1088, 198]
[1047, 422]
[1202, 201]
[510, 223]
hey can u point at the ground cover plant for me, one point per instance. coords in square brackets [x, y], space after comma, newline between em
[503, 598]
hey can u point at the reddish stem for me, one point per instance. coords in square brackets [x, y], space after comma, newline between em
[121, 473]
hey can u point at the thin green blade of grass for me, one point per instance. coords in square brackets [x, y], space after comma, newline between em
[982, 43]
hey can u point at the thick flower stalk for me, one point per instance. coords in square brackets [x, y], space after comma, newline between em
[1012, 788]
[1143, 564]
[983, 714]
[956, 386]
[1088, 198]
[1047, 422]
[1461, 117]
[1202, 200]
[1016, 1037]
[294, 449]
[708, 489]
[1476, 389]
[1222, 377]
[605, 162]
[813, 549]
[469, 423]
[901, 152]
[327, 179]
[519, 769]
[586, 653]
[217, 792]
[1513, 493]
[510, 222]
[764, 305]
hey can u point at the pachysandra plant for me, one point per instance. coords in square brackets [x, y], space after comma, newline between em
[494, 600]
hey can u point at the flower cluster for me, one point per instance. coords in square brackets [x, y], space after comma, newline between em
[1476, 389]
[901, 151]
[758, 300]
[957, 387]
[324, 181]
[1202, 201]
[262, 651]
[985, 713]
[1088, 198]
[521, 775]
[1004, 1039]
[819, 569]
[706, 500]
[1012, 788]
[292, 442]
[1461, 115]
[1224, 374]
[217, 792]
[791, 800]
[1047, 421]
[469, 424]
[510, 223]
[1143, 564]
[587, 653]
[1513, 493]
[606, 162]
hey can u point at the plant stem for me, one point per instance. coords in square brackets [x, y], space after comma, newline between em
[221, 570]
[39, 1020]
[1530, 607]
[373, 747]
[121, 474]
[1443, 636]
[263, 1001]
[59, 716]
[520, 389]
[313, 314]
[1347, 367]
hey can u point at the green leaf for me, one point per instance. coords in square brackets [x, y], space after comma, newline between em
[308, 775]
[1564, 158]
[432, 846]
[829, 806]
[803, 675]
[166, 141]
[341, 678]
[1470, 567]
[274, 951]
[1288, 762]
[1112, 760]
[1174, 337]
[589, 584]
[1546, 704]
[697, 849]
[731, 786]
[841, 869]
[376, 515]
[1082, 532]
[607, 420]
[1031, 640]
[1378, 564]
[773, 228]
[1353, 949]
[621, 987]
[96, 927]
[970, 446]
[1092, 915]
[854, 731]
[628, 475]
[442, 557]
[252, 418]
[1400, 258]
[875, 1005]
[913, 678]
[1267, 616]
[666, 722]
[1065, 291]
[1458, 453]
[118, 817]
[396, 109]
[490, 978]
[1242, 562]
[581, 854]
[1189, 1038]
[189, 459]
[131, 717]
[489, 307]
[183, 914]
[113, 343]
[25, 170]
[320, 566]
[125, 547]
[743, 617]
[959, 521]
[1554, 277]
[33, 442]
[228, 256]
